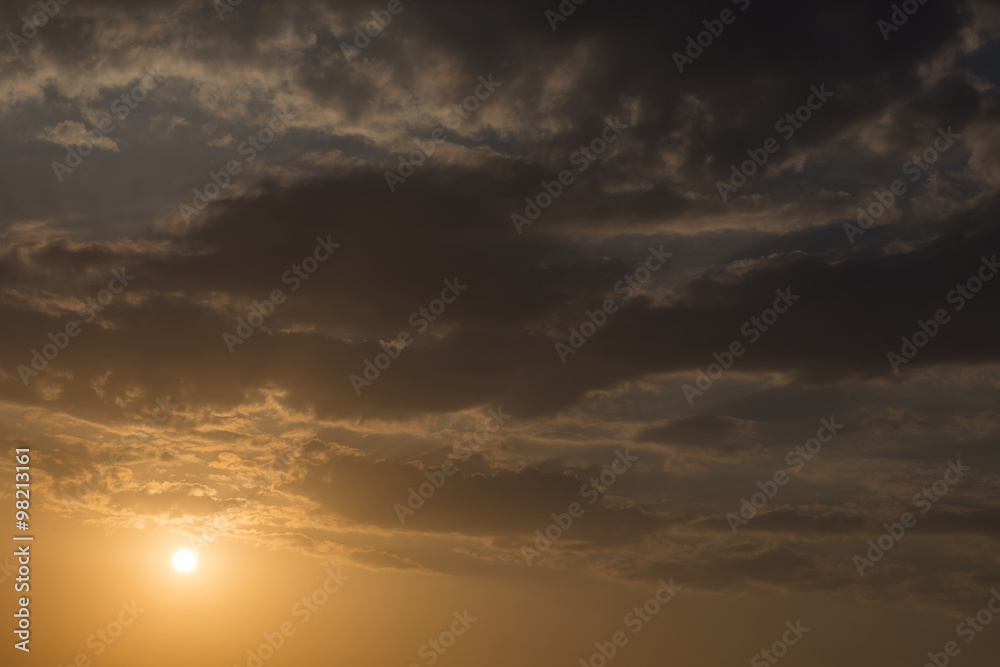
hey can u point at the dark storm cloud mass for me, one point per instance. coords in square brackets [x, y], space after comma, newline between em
[499, 504]
[686, 129]
[523, 296]
[323, 181]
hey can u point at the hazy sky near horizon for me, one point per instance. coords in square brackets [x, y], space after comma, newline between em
[353, 316]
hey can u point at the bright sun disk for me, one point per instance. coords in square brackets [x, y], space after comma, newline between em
[185, 560]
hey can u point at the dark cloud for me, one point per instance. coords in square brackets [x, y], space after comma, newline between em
[709, 431]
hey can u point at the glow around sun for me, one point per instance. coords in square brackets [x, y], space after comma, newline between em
[185, 560]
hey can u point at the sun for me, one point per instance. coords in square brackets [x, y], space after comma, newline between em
[185, 560]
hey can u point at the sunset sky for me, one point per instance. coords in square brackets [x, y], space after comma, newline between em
[481, 334]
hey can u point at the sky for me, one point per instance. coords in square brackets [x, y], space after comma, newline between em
[478, 334]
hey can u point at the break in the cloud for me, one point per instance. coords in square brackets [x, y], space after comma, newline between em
[71, 132]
